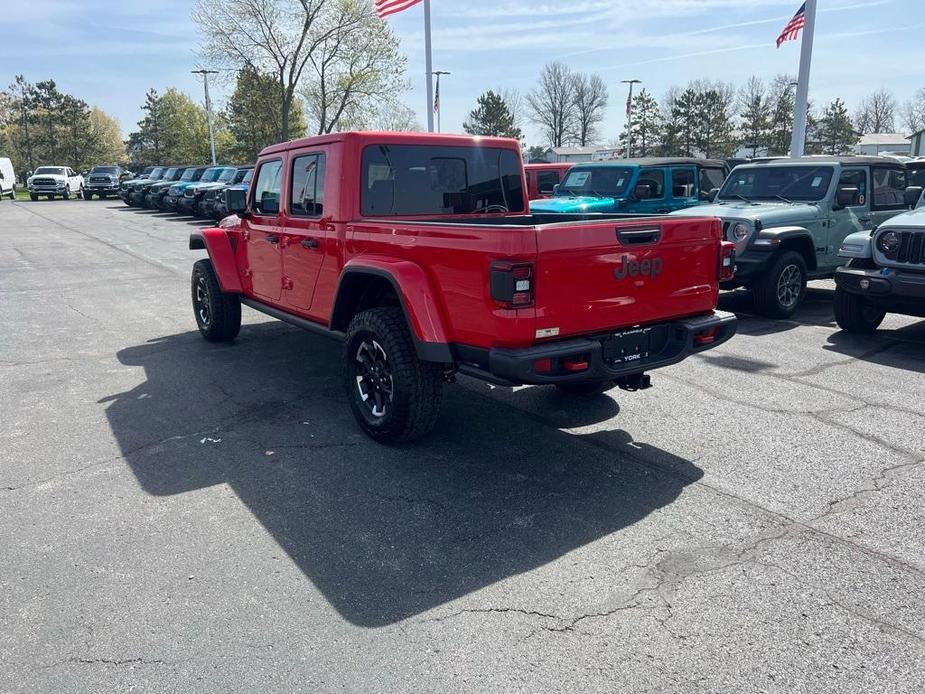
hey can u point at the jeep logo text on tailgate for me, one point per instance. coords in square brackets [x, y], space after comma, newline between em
[634, 268]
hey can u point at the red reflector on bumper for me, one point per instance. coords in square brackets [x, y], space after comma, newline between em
[575, 365]
[705, 337]
[542, 366]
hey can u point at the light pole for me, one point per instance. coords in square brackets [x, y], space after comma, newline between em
[205, 80]
[629, 117]
[437, 97]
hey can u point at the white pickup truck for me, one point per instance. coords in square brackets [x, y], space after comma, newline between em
[55, 180]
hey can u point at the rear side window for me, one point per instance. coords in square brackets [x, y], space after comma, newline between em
[889, 188]
[682, 183]
[546, 181]
[267, 188]
[423, 180]
[306, 197]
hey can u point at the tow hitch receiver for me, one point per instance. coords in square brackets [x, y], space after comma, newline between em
[634, 382]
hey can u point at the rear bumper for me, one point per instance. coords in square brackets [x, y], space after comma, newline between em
[518, 366]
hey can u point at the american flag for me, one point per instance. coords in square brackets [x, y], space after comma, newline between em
[437, 97]
[386, 7]
[792, 30]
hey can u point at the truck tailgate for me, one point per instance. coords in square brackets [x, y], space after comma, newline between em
[598, 276]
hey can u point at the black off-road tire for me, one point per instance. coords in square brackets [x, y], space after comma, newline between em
[218, 314]
[855, 313]
[66, 194]
[768, 291]
[416, 386]
[585, 389]
[88, 196]
[33, 197]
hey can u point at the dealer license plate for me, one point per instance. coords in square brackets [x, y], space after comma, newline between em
[627, 346]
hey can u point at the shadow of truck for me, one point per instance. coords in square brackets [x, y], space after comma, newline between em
[384, 533]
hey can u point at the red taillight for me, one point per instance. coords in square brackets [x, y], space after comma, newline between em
[542, 366]
[511, 283]
[727, 261]
[705, 337]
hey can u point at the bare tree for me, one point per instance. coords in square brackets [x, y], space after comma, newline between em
[514, 101]
[393, 116]
[551, 105]
[913, 112]
[590, 105]
[275, 36]
[350, 79]
[877, 113]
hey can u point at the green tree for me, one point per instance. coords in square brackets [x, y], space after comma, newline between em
[491, 116]
[253, 114]
[713, 129]
[175, 131]
[535, 152]
[685, 121]
[781, 98]
[835, 132]
[646, 124]
[755, 116]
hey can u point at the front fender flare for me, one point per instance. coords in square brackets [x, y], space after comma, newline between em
[218, 244]
[414, 291]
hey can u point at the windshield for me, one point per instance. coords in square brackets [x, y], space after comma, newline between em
[50, 170]
[806, 183]
[171, 174]
[105, 170]
[432, 180]
[191, 175]
[227, 175]
[248, 176]
[211, 175]
[601, 181]
[156, 174]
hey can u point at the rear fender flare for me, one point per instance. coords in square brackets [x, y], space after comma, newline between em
[414, 292]
[218, 244]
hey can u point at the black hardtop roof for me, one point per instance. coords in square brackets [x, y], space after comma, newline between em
[656, 161]
[844, 160]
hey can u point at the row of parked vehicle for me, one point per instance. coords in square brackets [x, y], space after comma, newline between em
[199, 191]
[790, 218]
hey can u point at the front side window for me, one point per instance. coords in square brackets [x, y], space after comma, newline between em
[854, 180]
[787, 183]
[434, 180]
[682, 183]
[267, 189]
[651, 184]
[889, 188]
[546, 181]
[601, 181]
[915, 174]
[306, 197]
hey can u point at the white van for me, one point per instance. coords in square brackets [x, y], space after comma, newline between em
[7, 179]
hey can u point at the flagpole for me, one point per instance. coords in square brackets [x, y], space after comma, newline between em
[428, 68]
[798, 140]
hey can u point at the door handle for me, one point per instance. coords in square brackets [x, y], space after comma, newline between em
[310, 243]
[272, 238]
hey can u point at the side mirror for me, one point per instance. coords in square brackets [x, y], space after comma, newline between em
[236, 201]
[845, 197]
[555, 189]
[912, 195]
[711, 196]
[269, 203]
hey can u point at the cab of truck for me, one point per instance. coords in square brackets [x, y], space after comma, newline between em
[653, 185]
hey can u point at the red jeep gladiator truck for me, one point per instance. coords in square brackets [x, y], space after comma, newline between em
[418, 252]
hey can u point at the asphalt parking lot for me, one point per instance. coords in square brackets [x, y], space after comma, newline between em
[177, 516]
